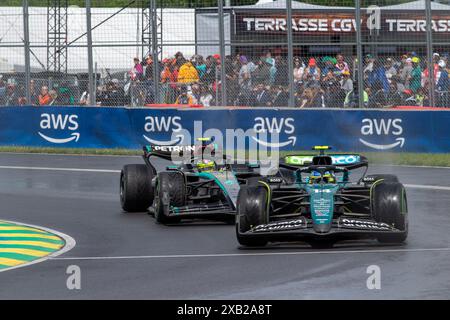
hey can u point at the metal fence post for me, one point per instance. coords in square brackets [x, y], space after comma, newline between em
[26, 33]
[431, 84]
[359, 54]
[154, 21]
[290, 54]
[223, 73]
[90, 57]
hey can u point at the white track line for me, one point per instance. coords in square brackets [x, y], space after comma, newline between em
[70, 243]
[71, 154]
[59, 169]
[421, 186]
[138, 156]
[226, 255]
[409, 166]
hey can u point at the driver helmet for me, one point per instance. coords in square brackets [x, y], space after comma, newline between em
[316, 177]
[329, 177]
[206, 165]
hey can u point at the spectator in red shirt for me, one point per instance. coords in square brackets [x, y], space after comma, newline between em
[436, 58]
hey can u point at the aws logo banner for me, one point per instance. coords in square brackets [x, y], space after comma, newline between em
[58, 128]
[167, 125]
[286, 129]
[280, 126]
[382, 133]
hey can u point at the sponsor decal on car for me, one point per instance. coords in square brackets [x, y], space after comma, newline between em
[363, 224]
[298, 160]
[173, 148]
[281, 226]
[274, 180]
[322, 208]
[343, 159]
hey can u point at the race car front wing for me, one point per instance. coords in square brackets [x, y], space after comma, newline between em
[201, 210]
[302, 227]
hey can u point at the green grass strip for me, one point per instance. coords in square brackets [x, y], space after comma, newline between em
[30, 239]
[2, 266]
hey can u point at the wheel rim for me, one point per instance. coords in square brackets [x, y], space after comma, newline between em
[157, 200]
[122, 189]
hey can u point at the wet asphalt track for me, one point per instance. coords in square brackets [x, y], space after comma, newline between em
[135, 258]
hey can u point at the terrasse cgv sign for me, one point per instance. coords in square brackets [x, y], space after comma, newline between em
[374, 19]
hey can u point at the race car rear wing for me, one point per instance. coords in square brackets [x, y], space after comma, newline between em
[349, 161]
[181, 151]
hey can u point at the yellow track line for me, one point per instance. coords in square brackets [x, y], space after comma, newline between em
[33, 243]
[28, 235]
[30, 252]
[11, 262]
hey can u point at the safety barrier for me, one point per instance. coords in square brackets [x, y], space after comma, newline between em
[345, 130]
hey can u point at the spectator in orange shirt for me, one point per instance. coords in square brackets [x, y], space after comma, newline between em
[167, 75]
[168, 82]
[44, 98]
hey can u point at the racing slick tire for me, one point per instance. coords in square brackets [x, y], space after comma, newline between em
[385, 177]
[251, 211]
[389, 205]
[136, 191]
[170, 190]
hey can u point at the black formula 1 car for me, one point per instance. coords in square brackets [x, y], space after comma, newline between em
[311, 198]
[200, 188]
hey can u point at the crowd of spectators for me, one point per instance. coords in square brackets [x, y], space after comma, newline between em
[328, 81]
[13, 94]
[263, 81]
[191, 81]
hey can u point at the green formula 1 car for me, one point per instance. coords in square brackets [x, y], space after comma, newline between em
[199, 188]
[311, 198]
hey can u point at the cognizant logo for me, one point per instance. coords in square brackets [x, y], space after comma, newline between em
[382, 128]
[51, 123]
